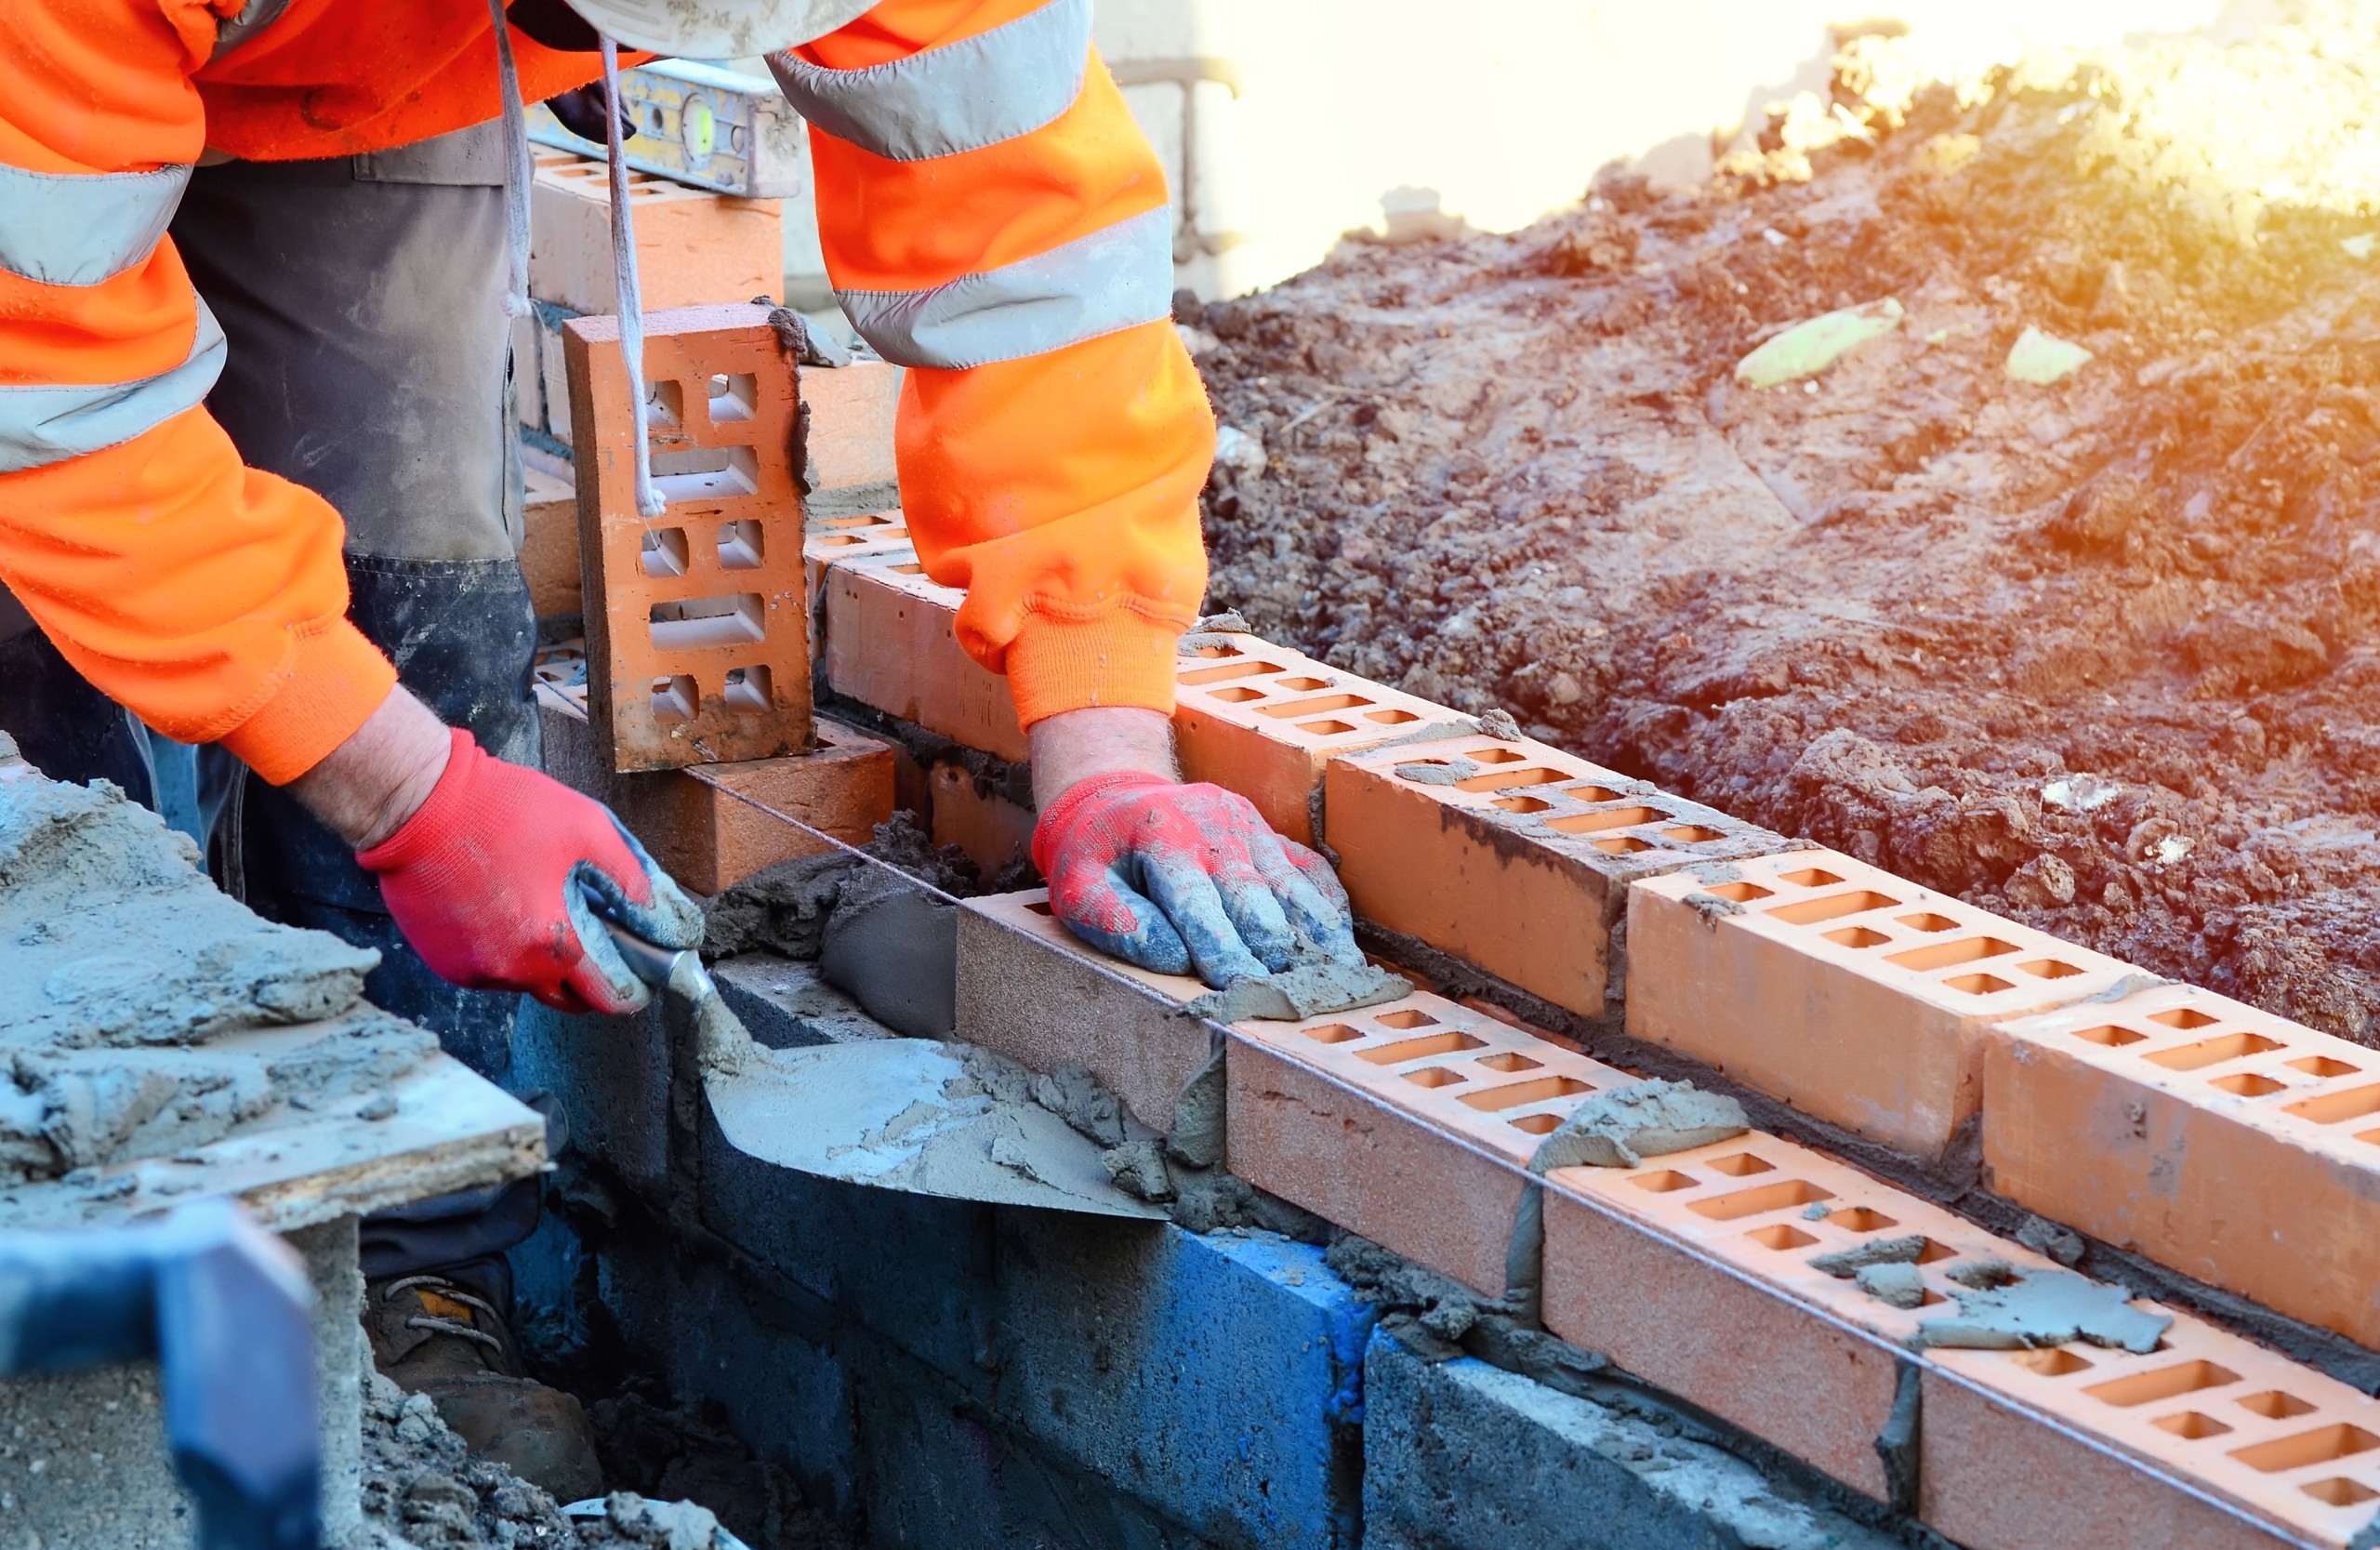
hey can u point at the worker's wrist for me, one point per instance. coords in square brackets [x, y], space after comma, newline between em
[1073, 746]
[371, 784]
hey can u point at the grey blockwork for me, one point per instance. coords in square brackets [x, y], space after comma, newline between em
[960, 97]
[78, 229]
[1114, 279]
[44, 425]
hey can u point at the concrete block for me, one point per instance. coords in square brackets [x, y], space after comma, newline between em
[2293, 1456]
[891, 645]
[1849, 993]
[1027, 989]
[995, 832]
[1461, 1455]
[1262, 720]
[785, 1003]
[1514, 856]
[693, 248]
[528, 373]
[549, 543]
[2234, 1145]
[1404, 1122]
[697, 629]
[700, 828]
[612, 1076]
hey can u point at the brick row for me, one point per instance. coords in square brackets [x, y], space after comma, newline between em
[1514, 856]
[2234, 1145]
[892, 643]
[1851, 994]
[694, 247]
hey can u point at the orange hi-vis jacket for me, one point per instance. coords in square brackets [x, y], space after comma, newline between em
[992, 220]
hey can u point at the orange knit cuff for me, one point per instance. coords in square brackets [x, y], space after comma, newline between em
[1121, 657]
[337, 680]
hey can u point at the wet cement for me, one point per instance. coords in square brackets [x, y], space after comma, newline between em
[2047, 1307]
[1308, 990]
[131, 990]
[1623, 1126]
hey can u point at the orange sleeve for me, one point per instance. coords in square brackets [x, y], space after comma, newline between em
[1059, 487]
[208, 598]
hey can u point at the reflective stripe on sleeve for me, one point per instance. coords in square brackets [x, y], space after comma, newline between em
[962, 96]
[1105, 282]
[44, 425]
[78, 229]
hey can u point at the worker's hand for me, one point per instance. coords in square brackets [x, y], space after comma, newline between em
[1178, 879]
[485, 881]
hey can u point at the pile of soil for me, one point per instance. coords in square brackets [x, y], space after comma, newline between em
[2100, 655]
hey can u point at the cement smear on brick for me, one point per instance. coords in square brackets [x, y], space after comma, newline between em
[1308, 990]
[1619, 1128]
[132, 993]
[2047, 1307]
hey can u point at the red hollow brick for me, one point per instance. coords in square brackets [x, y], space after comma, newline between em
[2234, 1145]
[1513, 857]
[892, 645]
[698, 637]
[1849, 993]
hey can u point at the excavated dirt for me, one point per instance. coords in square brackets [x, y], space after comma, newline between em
[2101, 654]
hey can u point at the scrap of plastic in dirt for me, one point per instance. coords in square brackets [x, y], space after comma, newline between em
[1809, 346]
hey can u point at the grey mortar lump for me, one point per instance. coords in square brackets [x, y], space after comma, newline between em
[133, 994]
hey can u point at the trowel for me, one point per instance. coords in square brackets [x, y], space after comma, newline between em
[903, 1114]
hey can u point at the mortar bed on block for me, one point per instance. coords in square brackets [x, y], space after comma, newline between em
[1854, 995]
[1264, 720]
[1514, 856]
[2293, 1447]
[2231, 1144]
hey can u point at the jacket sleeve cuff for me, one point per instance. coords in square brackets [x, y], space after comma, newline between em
[1120, 658]
[336, 681]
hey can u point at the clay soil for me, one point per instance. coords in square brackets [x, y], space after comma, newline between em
[1891, 609]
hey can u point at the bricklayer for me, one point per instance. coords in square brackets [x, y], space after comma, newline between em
[1515, 856]
[2297, 1449]
[2234, 1145]
[1849, 993]
[1262, 720]
[892, 645]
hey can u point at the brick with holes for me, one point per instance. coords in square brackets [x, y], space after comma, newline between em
[692, 247]
[892, 643]
[698, 637]
[1702, 1272]
[2234, 1145]
[1405, 1122]
[1514, 856]
[1262, 720]
[1851, 994]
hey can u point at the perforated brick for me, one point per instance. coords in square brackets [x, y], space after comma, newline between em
[697, 640]
[1851, 994]
[1374, 1155]
[1514, 856]
[2234, 1145]
[692, 247]
[892, 643]
[1997, 1470]
[1264, 720]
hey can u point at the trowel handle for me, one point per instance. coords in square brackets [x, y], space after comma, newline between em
[658, 966]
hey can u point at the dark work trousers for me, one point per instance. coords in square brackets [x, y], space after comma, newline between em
[370, 362]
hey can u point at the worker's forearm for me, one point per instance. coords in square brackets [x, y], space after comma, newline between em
[1074, 745]
[372, 782]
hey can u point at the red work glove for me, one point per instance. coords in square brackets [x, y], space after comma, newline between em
[1183, 879]
[487, 881]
